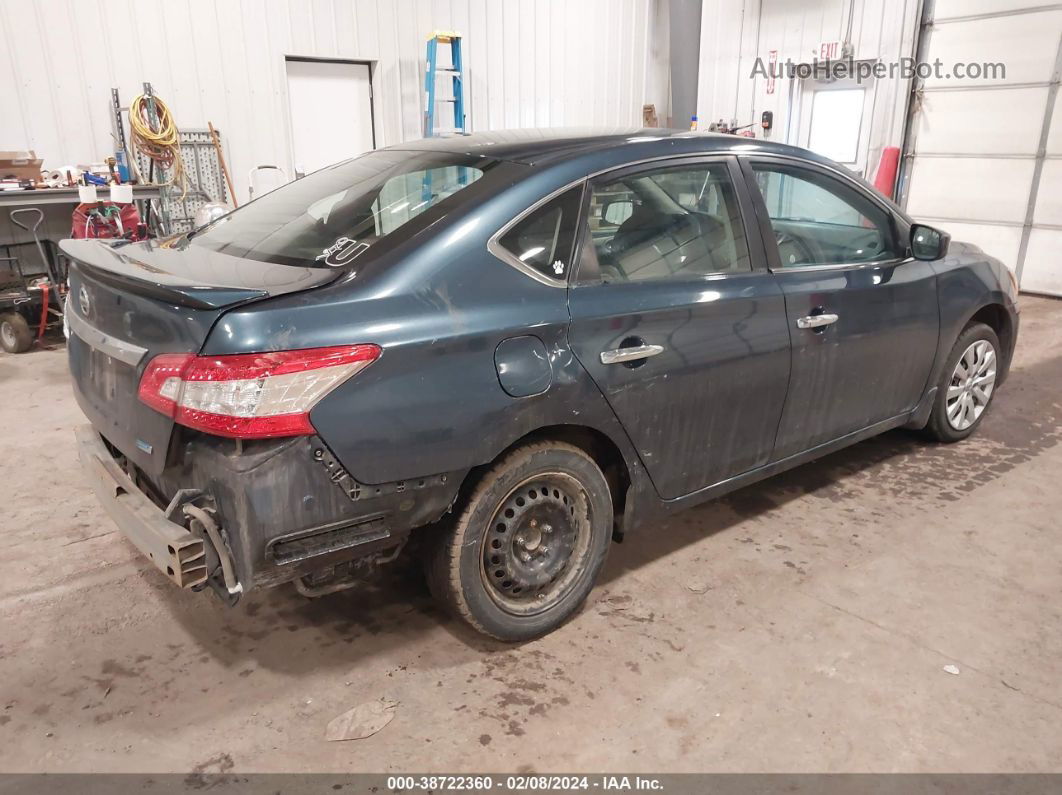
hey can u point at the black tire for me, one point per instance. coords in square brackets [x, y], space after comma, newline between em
[939, 428]
[15, 334]
[543, 488]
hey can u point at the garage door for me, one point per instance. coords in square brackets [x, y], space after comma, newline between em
[984, 155]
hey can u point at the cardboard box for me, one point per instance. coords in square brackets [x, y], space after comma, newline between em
[20, 165]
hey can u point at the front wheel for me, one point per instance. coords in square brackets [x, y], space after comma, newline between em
[966, 386]
[524, 552]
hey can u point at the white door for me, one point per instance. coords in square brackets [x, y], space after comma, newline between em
[831, 120]
[984, 153]
[331, 112]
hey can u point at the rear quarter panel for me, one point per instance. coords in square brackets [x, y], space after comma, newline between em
[432, 403]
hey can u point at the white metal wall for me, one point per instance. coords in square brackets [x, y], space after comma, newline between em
[529, 63]
[986, 155]
[742, 30]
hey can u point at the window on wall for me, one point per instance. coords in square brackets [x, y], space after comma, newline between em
[668, 223]
[818, 220]
[543, 240]
[836, 116]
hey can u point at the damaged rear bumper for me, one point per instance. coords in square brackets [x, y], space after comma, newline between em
[175, 551]
[239, 516]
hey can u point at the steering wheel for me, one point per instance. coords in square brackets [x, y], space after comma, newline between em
[792, 250]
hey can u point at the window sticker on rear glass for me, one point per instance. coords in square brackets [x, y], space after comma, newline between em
[341, 252]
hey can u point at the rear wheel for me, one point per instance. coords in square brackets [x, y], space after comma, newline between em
[15, 333]
[967, 384]
[525, 550]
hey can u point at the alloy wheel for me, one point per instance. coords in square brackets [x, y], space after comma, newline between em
[971, 385]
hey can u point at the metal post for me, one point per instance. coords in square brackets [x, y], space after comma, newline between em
[914, 105]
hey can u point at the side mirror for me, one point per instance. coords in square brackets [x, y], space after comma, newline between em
[928, 243]
[616, 212]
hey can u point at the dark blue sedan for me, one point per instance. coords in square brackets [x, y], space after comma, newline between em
[510, 349]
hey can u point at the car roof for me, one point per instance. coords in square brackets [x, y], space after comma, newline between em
[540, 146]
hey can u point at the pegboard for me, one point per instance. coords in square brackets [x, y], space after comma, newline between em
[206, 182]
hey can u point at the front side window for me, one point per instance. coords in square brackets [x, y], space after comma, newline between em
[677, 222]
[818, 220]
[542, 241]
[335, 215]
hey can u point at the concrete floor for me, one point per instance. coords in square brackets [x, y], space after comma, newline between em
[802, 624]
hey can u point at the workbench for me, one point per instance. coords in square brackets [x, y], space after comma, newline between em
[41, 196]
[58, 205]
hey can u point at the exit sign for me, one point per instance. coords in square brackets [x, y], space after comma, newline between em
[831, 50]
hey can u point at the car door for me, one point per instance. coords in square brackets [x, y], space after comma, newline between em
[678, 321]
[863, 315]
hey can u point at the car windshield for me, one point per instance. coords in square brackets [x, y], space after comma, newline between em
[333, 216]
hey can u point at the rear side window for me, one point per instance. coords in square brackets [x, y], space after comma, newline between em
[672, 223]
[334, 216]
[542, 241]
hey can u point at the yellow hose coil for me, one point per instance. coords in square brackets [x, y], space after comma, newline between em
[163, 145]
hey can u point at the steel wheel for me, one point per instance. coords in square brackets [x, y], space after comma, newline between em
[540, 529]
[522, 554]
[972, 382]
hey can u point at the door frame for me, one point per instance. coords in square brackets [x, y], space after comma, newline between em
[582, 278]
[901, 224]
[802, 106]
[371, 64]
[900, 228]
[746, 207]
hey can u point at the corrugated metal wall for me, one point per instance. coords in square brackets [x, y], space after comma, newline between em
[529, 63]
[882, 30]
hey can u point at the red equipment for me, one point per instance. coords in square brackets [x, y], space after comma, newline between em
[107, 220]
[885, 180]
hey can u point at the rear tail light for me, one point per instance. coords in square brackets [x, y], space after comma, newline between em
[249, 395]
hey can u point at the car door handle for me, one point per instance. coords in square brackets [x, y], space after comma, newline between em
[632, 354]
[816, 321]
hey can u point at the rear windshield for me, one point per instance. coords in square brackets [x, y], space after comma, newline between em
[332, 217]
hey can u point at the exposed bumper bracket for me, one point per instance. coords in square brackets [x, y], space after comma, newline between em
[210, 527]
[176, 552]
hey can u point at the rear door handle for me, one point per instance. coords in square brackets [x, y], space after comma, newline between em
[816, 321]
[632, 354]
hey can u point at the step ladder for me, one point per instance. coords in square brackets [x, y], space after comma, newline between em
[456, 73]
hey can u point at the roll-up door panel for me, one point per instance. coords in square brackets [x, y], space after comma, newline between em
[1000, 242]
[1024, 43]
[973, 147]
[976, 122]
[968, 188]
[1049, 197]
[1043, 262]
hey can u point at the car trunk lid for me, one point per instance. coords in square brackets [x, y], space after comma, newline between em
[130, 302]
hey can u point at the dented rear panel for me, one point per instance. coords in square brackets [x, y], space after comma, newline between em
[131, 302]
